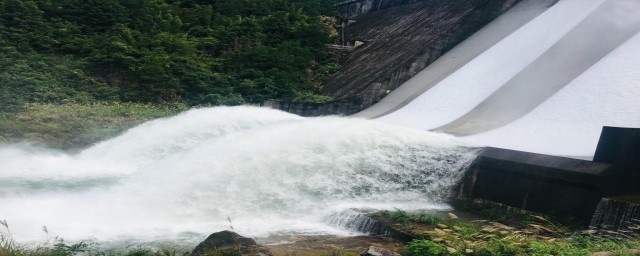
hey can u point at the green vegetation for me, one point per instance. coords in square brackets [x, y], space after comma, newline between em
[74, 72]
[425, 247]
[54, 246]
[403, 217]
[77, 125]
[516, 217]
[535, 235]
[62, 249]
[222, 52]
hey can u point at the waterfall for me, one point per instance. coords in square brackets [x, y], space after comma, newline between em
[617, 215]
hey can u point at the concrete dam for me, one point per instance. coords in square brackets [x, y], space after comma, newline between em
[538, 82]
[544, 77]
[472, 99]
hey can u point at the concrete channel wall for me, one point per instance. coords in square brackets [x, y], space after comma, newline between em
[562, 186]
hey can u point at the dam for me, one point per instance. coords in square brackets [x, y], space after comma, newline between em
[533, 90]
[544, 77]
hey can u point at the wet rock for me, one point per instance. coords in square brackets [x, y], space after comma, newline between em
[229, 243]
[375, 251]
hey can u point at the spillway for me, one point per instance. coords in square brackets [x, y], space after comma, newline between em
[569, 123]
[457, 57]
[541, 78]
[521, 74]
[258, 170]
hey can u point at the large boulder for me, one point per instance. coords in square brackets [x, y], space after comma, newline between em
[227, 243]
[375, 251]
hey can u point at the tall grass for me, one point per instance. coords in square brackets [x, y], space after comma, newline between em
[75, 125]
[55, 246]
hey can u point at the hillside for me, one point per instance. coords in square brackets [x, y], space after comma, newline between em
[158, 51]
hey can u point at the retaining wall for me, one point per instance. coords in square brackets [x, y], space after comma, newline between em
[561, 186]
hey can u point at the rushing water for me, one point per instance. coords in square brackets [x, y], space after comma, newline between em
[258, 170]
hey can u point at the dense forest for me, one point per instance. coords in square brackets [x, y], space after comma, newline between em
[196, 52]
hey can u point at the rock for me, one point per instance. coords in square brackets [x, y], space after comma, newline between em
[375, 251]
[468, 251]
[443, 226]
[229, 243]
[453, 216]
[451, 250]
[439, 231]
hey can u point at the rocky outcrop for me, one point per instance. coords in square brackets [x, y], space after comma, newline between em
[229, 243]
[375, 251]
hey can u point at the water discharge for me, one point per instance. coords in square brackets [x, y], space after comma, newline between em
[268, 171]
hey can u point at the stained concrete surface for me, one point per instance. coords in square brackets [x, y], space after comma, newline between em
[401, 41]
[461, 54]
[595, 37]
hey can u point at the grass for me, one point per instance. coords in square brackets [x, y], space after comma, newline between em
[403, 217]
[9, 247]
[71, 125]
[530, 235]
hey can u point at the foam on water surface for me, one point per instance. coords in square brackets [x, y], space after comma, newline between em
[268, 171]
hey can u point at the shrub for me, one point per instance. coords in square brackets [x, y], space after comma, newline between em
[424, 247]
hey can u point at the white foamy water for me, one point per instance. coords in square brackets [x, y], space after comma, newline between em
[268, 171]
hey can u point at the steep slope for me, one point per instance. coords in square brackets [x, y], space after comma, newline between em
[457, 57]
[401, 41]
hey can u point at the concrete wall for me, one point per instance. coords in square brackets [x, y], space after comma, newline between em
[621, 148]
[540, 183]
[562, 186]
[353, 8]
[343, 108]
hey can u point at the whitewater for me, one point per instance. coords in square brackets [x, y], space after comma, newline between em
[258, 170]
